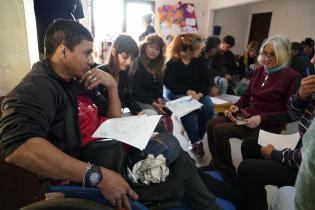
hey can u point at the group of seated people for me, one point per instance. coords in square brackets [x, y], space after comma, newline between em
[51, 115]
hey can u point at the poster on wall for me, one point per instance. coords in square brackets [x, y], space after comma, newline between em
[175, 19]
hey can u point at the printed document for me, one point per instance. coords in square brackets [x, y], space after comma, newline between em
[183, 106]
[134, 130]
[279, 141]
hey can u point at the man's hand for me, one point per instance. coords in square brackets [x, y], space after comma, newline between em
[232, 109]
[266, 151]
[253, 121]
[159, 107]
[95, 77]
[191, 93]
[214, 91]
[116, 190]
[307, 87]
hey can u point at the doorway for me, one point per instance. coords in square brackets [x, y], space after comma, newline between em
[259, 27]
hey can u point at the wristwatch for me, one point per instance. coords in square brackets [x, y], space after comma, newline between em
[93, 176]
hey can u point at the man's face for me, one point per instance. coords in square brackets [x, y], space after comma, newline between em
[80, 59]
[224, 47]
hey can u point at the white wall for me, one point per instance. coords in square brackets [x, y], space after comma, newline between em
[233, 21]
[15, 41]
[291, 18]
[294, 19]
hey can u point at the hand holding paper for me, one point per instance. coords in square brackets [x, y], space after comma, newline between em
[277, 140]
[184, 105]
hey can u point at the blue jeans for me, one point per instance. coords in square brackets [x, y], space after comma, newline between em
[195, 122]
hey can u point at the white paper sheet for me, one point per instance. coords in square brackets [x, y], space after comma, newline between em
[182, 106]
[230, 98]
[218, 101]
[134, 130]
[279, 141]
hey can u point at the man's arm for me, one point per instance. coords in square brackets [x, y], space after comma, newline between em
[41, 157]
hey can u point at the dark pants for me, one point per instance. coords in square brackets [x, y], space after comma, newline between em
[196, 193]
[254, 173]
[219, 131]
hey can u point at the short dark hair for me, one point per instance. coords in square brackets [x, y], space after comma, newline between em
[229, 40]
[67, 32]
[298, 47]
[211, 43]
[308, 42]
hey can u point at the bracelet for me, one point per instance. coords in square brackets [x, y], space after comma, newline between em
[89, 166]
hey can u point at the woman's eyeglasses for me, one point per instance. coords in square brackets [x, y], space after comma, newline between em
[270, 56]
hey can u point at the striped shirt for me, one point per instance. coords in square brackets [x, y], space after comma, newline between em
[303, 111]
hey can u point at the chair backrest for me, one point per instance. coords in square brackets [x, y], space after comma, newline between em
[18, 187]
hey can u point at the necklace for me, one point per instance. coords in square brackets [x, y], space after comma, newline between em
[266, 77]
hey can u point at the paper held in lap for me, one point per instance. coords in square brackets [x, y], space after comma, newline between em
[279, 141]
[183, 106]
[134, 130]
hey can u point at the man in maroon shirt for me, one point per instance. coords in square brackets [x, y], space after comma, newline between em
[264, 105]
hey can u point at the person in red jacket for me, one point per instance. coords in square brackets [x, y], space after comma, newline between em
[264, 104]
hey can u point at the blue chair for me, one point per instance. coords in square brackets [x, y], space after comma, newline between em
[94, 194]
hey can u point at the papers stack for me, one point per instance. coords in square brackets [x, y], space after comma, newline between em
[183, 106]
[134, 130]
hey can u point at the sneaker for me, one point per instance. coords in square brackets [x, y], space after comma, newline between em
[198, 151]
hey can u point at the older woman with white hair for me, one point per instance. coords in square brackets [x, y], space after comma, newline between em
[263, 105]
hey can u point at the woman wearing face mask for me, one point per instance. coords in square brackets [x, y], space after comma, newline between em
[264, 103]
[147, 75]
[186, 74]
[123, 53]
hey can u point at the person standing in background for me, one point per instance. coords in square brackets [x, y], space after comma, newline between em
[149, 29]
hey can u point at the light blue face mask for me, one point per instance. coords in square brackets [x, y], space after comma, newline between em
[275, 69]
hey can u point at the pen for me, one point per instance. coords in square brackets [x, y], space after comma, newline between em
[307, 69]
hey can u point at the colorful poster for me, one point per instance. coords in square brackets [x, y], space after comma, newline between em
[175, 19]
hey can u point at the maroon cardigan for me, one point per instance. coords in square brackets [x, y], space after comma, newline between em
[270, 100]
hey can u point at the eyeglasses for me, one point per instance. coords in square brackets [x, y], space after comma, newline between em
[270, 56]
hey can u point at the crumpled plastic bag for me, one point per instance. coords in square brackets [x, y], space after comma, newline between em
[151, 170]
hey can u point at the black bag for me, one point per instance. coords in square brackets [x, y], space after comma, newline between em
[111, 155]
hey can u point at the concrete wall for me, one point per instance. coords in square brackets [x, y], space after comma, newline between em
[15, 41]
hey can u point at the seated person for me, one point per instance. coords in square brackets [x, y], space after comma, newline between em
[186, 75]
[224, 66]
[299, 61]
[267, 166]
[122, 55]
[247, 65]
[146, 75]
[42, 128]
[211, 47]
[264, 105]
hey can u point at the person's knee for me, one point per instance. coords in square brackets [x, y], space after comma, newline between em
[246, 170]
[250, 150]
